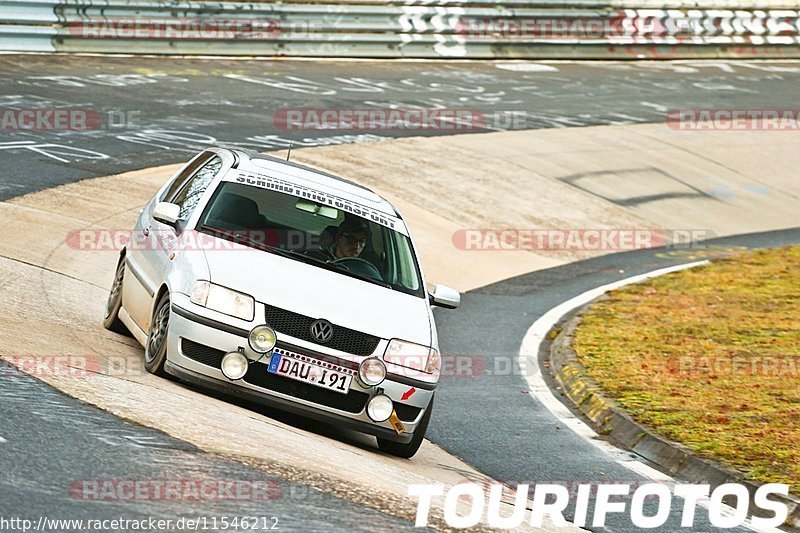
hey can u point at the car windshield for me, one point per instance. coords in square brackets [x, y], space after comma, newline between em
[314, 233]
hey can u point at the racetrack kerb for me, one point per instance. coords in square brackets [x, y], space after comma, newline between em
[658, 366]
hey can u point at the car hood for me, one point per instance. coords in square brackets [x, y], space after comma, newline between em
[319, 293]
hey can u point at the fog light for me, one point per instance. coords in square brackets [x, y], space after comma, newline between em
[262, 339]
[234, 365]
[380, 408]
[372, 371]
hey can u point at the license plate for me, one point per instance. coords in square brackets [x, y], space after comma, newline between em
[329, 377]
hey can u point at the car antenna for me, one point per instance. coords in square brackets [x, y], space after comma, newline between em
[289, 153]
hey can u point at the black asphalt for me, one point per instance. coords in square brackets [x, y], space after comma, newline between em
[155, 111]
[488, 419]
[63, 460]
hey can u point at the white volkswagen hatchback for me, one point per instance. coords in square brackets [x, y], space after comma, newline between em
[278, 283]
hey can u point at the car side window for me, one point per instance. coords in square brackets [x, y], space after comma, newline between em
[193, 190]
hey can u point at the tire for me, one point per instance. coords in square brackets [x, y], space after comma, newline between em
[111, 321]
[155, 351]
[407, 451]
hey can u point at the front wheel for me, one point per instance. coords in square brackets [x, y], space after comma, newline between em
[111, 320]
[407, 451]
[155, 351]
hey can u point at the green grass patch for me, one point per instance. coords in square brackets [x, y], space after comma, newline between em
[709, 357]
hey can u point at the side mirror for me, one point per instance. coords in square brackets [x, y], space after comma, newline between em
[167, 213]
[444, 296]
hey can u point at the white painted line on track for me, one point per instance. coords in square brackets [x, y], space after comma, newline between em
[540, 390]
[529, 353]
[525, 67]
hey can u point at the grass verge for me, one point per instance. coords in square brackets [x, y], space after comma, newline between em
[709, 357]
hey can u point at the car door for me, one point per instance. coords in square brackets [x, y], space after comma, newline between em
[148, 260]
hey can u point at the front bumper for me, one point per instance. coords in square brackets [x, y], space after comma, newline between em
[191, 326]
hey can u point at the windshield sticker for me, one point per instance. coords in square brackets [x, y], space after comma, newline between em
[301, 191]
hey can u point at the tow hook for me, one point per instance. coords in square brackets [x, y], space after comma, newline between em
[397, 424]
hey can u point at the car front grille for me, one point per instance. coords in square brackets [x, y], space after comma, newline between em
[257, 375]
[299, 326]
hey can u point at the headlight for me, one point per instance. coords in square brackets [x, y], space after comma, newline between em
[262, 339]
[380, 408]
[410, 355]
[234, 365]
[223, 300]
[372, 371]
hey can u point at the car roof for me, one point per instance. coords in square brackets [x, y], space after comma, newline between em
[262, 163]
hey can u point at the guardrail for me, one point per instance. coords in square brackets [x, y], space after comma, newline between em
[473, 29]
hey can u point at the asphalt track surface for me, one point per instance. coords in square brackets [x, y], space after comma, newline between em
[486, 417]
[181, 106]
[56, 448]
[153, 111]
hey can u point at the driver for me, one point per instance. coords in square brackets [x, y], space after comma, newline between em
[351, 238]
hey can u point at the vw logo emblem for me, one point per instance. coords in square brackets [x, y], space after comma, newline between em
[322, 331]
